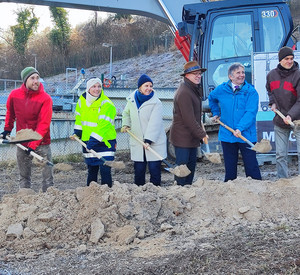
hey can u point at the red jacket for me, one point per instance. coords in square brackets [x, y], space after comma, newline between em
[31, 110]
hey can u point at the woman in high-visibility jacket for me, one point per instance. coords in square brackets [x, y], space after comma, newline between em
[94, 124]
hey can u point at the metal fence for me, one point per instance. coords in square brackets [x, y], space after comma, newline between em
[63, 118]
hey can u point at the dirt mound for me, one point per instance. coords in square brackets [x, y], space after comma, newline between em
[128, 216]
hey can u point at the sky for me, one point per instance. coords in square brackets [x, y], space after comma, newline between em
[8, 16]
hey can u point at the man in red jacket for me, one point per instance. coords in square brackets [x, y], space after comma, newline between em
[31, 107]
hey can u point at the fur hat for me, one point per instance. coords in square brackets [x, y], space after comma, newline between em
[192, 66]
[143, 79]
[91, 82]
[284, 52]
[28, 71]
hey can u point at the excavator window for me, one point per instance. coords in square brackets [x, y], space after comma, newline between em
[231, 37]
[273, 32]
[231, 40]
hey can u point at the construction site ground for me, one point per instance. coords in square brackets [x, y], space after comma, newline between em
[239, 227]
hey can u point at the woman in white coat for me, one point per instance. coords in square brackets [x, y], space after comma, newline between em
[143, 116]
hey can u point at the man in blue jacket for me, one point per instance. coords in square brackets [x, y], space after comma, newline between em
[235, 102]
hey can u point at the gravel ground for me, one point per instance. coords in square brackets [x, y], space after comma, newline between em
[265, 247]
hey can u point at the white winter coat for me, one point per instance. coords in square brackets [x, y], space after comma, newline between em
[146, 123]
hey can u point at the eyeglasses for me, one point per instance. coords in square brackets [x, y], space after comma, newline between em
[197, 73]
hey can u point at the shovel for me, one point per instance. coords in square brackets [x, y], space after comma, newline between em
[40, 158]
[112, 164]
[263, 146]
[212, 157]
[179, 171]
[293, 125]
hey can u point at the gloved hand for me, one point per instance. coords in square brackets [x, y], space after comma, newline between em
[125, 128]
[92, 143]
[4, 134]
[28, 151]
[148, 141]
[77, 133]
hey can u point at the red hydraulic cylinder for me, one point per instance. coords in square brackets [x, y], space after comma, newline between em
[183, 44]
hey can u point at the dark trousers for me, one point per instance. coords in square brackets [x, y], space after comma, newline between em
[231, 154]
[186, 156]
[140, 172]
[105, 172]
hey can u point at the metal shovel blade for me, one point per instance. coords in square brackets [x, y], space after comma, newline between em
[114, 164]
[263, 146]
[179, 171]
[212, 157]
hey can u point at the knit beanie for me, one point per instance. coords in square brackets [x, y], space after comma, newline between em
[28, 71]
[284, 52]
[92, 82]
[143, 79]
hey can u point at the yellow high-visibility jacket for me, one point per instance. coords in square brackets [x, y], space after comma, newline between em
[97, 120]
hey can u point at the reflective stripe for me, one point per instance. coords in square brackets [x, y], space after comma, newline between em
[77, 127]
[90, 124]
[77, 113]
[96, 136]
[99, 155]
[79, 103]
[105, 101]
[107, 118]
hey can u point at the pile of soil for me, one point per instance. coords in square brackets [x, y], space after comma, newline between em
[211, 227]
[26, 134]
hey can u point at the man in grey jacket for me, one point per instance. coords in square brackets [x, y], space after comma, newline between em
[186, 131]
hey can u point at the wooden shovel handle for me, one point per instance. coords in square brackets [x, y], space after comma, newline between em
[84, 145]
[144, 144]
[283, 117]
[205, 139]
[40, 158]
[231, 130]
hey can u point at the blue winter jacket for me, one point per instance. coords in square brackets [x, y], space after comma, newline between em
[236, 109]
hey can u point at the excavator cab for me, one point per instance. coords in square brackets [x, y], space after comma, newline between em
[226, 32]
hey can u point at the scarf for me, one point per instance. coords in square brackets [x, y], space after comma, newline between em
[90, 99]
[141, 98]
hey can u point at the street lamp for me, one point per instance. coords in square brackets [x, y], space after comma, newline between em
[110, 59]
[34, 54]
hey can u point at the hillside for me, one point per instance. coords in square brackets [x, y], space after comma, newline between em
[163, 68]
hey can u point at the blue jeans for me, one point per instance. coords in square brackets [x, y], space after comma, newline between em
[140, 172]
[187, 156]
[231, 154]
[282, 143]
[105, 172]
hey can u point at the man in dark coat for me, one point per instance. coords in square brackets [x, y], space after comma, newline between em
[186, 131]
